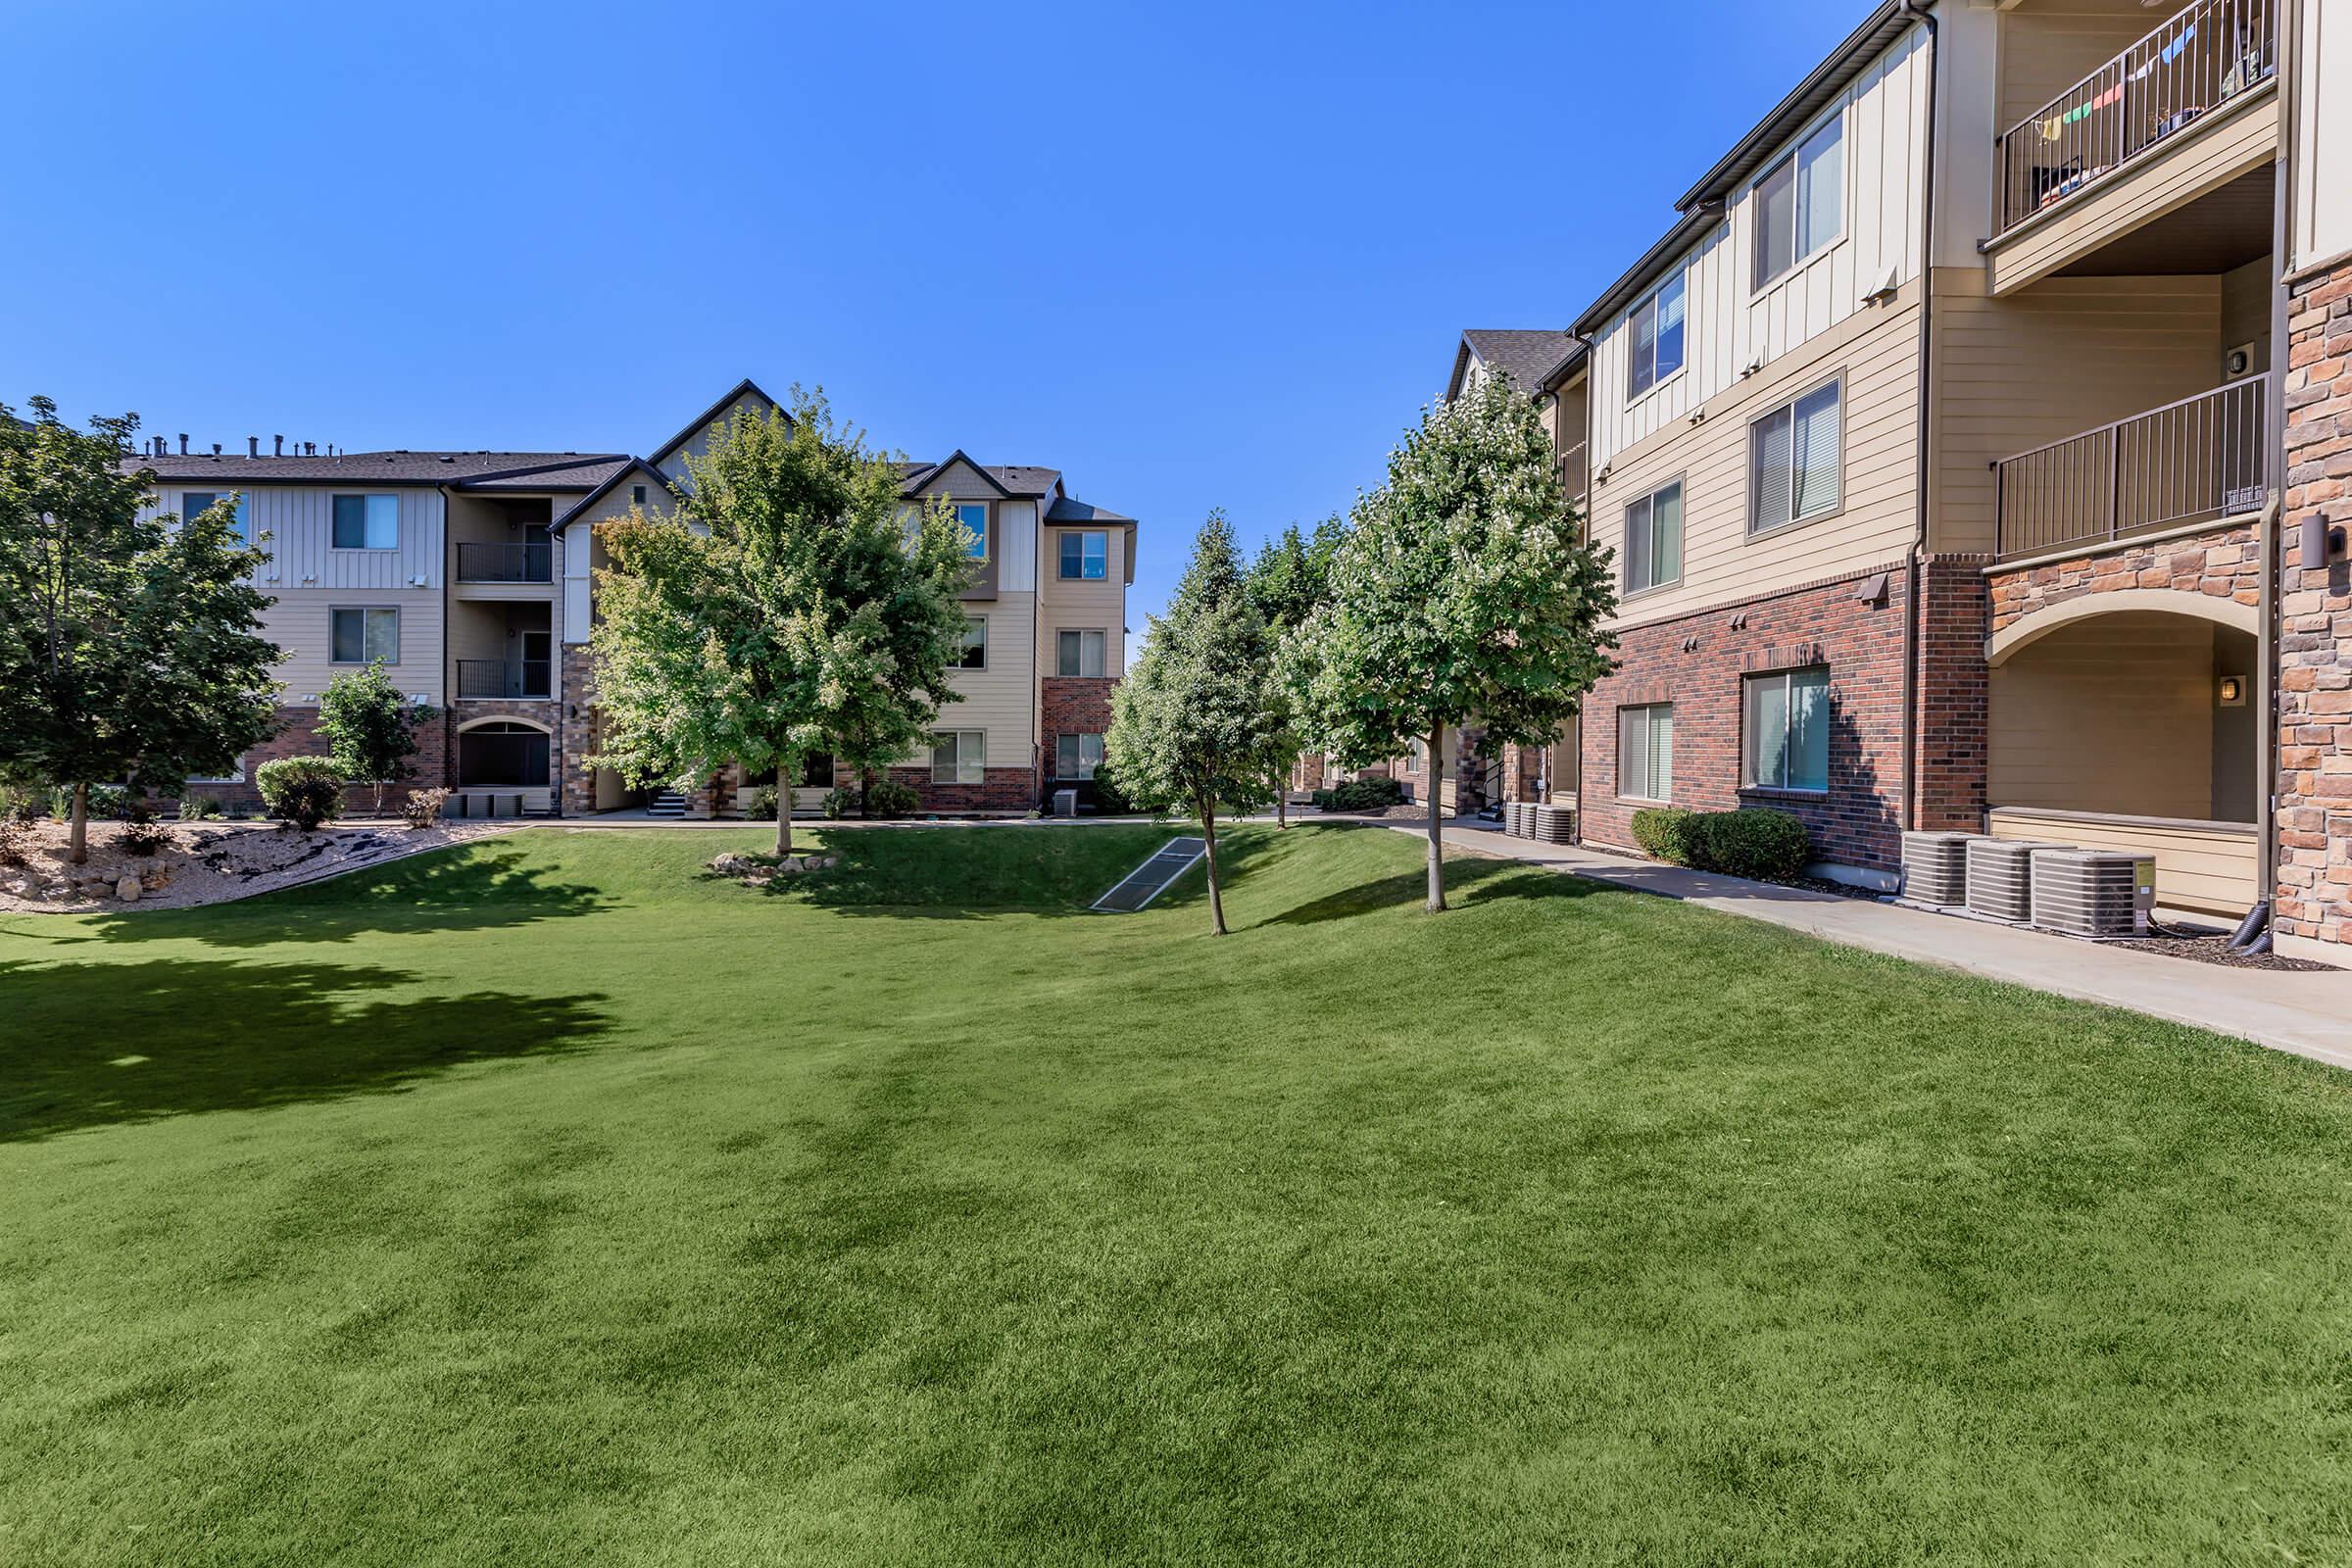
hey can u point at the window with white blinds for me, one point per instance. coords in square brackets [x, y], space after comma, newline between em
[1786, 723]
[1646, 751]
[1793, 458]
[1653, 539]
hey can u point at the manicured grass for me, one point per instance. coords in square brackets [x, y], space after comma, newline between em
[541, 1201]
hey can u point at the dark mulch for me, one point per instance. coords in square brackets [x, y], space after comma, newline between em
[2215, 949]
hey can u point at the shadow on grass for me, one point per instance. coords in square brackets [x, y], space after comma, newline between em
[1468, 884]
[87, 1045]
[465, 888]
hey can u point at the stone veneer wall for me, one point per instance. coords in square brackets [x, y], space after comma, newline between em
[1696, 662]
[2222, 562]
[2314, 903]
[467, 710]
[577, 733]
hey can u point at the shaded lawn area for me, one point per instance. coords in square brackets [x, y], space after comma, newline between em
[542, 1201]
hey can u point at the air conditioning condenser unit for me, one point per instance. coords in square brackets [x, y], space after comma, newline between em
[2095, 893]
[1935, 867]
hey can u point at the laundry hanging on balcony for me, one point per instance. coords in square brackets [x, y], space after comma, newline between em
[2051, 128]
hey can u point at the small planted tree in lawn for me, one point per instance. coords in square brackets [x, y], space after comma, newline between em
[1289, 579]
[370, 729]
[787, 607]
[131, 646]
[1463, 590]
[1196, 724]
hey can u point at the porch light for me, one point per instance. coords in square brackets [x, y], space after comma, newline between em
[2232, 691]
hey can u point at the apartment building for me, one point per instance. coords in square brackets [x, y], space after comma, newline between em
[470, 576]
[1959, 443]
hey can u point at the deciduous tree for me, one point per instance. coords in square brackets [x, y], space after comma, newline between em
[131, 646]
[1463, 590]
[1195, 725]
[1290, 577]
[370, 729]
[792, 603]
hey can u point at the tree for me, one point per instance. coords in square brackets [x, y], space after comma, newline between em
[1463, 590]
[370, 729]
[1195, 723]
[131, 646]
[1289, 579]
[794, 609]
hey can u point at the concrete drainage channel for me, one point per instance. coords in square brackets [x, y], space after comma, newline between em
[1150, 879]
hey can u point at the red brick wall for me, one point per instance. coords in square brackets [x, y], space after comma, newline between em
[1860, 642]
[2315, 611]
[1007, 789]
[1073, 705]
[1950, 758]
[297, 736]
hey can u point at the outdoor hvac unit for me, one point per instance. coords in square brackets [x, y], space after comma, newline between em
[1935, 867]
[2093, 893]
[1555, 824]
[1065, 802]
[2000, 877]
[1519, 819]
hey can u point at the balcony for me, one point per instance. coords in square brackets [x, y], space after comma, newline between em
[505, 678]
[506, 563]
[2193, 461]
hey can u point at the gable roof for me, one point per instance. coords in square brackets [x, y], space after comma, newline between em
[1524, 354]
[579, 507]
[1013, 481]
[1070, 509]
[702, 422]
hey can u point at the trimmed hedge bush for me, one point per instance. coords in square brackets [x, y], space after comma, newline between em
[763, 807]
[883, 798]
[1361, 794]
[1755, 842]
[304, 790]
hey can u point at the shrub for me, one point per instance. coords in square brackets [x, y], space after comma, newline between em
[1754, 841]
[763, 805]
[108, 803]
[143, 835]
[199, 808]
[16, 840]
[423, 808]
[1375, 794]
[883, 798]
[304, 790]
[1666, 832]
[20, 805]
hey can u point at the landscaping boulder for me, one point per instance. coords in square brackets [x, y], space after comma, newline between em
[127, 889]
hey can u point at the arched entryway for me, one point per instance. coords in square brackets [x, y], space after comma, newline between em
[505, 753]
[2126, 719]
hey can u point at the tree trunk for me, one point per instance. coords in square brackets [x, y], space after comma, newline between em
[783, 807]
[1282, 797]
[78, 840]
[1437, 831]
[379, 797]
[1217, 897]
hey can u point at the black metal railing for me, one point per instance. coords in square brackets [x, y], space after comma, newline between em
[2191, 65]
[506, 563]
[505, 677]
[1575, 476]
[2196, 461]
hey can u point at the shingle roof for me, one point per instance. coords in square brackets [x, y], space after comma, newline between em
[1019, 479]
[373, 468]
[587, 475]
[1069, 509]
[1523, 353]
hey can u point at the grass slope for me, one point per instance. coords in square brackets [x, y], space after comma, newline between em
[542, 1202]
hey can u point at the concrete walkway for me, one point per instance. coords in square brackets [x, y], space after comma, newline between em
[2307, 1013]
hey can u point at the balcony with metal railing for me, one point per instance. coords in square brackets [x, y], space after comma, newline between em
[510, 680]
[506, 563]
[2197, 460]
[2191, 65]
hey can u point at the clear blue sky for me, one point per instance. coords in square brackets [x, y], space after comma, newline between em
[1193, 256]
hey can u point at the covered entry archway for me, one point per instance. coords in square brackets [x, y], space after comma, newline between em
[506, 754]
[2126, 720]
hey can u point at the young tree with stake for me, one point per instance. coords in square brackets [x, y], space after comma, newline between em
[1464, 590]
[1196, 724]
[131, 646]
[789, 604]
[370, 729]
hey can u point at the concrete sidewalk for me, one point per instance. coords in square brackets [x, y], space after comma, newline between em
[2307, 1013]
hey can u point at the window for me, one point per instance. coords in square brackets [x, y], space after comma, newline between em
[973, 517]
[1646, 751]
[959, 756]
[1801, 205]
[637, 495]
[196, 502]
[363, 636]
[1084, 555]
[1657, 328]
[1793, 462]
[1078, 653]
[1785, 722]
[1077, 755]
[367, 522]
[975, 643]
[1653, 539]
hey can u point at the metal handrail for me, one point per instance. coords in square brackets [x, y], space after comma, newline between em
[505, 678]
[506, 563]
[2182, 69]
[2196, 459]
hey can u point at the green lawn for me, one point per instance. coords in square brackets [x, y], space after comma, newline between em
[542, 1201]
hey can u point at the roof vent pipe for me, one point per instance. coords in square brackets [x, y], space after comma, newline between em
[253, 446]
[184, 443]
[277, 446]
[216, 449]
[309, 449]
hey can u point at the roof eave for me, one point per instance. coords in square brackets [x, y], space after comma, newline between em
[1845, 62]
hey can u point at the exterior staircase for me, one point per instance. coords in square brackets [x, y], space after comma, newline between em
[669, 802]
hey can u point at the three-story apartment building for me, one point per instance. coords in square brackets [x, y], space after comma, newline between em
[470, 576]
[1959, 442]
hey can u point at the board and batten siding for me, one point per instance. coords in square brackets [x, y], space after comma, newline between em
[1728, 326]
[298, 524]
[1875, 358]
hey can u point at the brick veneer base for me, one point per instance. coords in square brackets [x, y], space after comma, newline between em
[297, 736]
[1005, 789]
[1860, 642]
[2314, 895]
[2223, 564]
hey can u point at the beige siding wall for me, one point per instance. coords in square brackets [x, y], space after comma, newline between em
[1877, 358]
[2207, 870]
[2207, 156]
[297, 522]
[2062, 356]
[2246, 313]
[2114, 713]
[698, 443]
[1001, 699]
[1086, 604]
[2322, 159]
[2049, 45]
[1730, 325]
[298, 623]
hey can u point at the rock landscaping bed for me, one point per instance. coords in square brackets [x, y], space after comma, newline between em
[758, 870]
[203, 865]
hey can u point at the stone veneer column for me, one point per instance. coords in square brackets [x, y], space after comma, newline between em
[2312, 911]
[577, 733]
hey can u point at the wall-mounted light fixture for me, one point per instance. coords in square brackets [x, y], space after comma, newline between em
[2320, 543]
[2230, 690]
